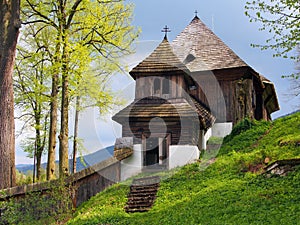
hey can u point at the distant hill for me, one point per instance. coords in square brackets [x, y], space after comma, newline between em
[82, 162]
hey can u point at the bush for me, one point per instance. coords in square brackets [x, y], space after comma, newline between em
[247, 138]
[215, 140]
[242, 126]
[37, 207]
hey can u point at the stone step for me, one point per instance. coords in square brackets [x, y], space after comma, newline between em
[140, 204]
[145, 185]
[146, 181]
[143, 190]
[142, 194]
[140, 201]
[139, 198]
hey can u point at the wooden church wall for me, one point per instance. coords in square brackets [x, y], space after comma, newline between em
[145, 86]
[259, 106]
[259, 97]
[183, 134]
[215, 95]
[226, 91]
[243, 105]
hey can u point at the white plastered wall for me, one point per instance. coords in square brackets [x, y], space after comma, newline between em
[180, 155]
[221, 129]
[133, 164]
[217, 130]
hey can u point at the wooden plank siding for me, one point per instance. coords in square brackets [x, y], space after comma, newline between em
[145, 86]
[182, 131]
[231, 94]
[215, 95]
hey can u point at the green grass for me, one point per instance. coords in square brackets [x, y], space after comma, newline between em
[223, 193]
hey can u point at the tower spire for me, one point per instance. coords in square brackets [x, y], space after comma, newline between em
[166, 30]
[196, 14]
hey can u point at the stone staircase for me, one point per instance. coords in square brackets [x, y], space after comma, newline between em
[142, 194]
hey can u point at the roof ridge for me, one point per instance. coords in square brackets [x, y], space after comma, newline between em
[209, 51]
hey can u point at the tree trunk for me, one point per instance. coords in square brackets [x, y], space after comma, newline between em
[53, 128]
[38, 165]
[64, 131]
[9, 31]
[75, 145]
[53, 116]
[34, 164]
[39, 151]
[64, 126]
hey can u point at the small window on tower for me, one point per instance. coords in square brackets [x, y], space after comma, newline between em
[166, 86]
[156, 86]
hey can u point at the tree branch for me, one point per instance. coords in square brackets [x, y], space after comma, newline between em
[38, 13]
[72, 13]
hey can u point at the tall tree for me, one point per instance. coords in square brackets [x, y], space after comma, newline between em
[91, 91]
[281, 19]
[75, 138]
[101, 28]
[9, 31]
[53, 111]
[31, 82]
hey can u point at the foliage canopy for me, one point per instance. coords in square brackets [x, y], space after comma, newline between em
[281, 19]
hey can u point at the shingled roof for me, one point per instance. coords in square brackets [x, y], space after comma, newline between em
[161, 59]
[200, 49]
[183, 109]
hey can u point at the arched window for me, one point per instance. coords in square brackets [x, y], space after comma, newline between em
[156, 86]
[166, 87]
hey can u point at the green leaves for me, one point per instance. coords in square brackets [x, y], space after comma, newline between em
[281, 19]
[77, 45]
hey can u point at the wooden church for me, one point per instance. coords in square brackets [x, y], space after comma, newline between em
[187, 91]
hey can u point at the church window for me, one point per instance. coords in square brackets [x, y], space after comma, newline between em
[166, 87]
[156, 86]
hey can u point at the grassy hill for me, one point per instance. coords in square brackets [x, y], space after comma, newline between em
[231, 190]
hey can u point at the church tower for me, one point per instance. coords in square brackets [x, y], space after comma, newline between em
[187, 91]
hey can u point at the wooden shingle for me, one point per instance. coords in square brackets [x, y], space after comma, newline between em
[161, 59]
[152, 108]
[202, 50]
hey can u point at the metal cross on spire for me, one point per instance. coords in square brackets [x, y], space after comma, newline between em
[196, 13]
[166, 29]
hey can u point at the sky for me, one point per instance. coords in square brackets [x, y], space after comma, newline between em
[225, 18]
